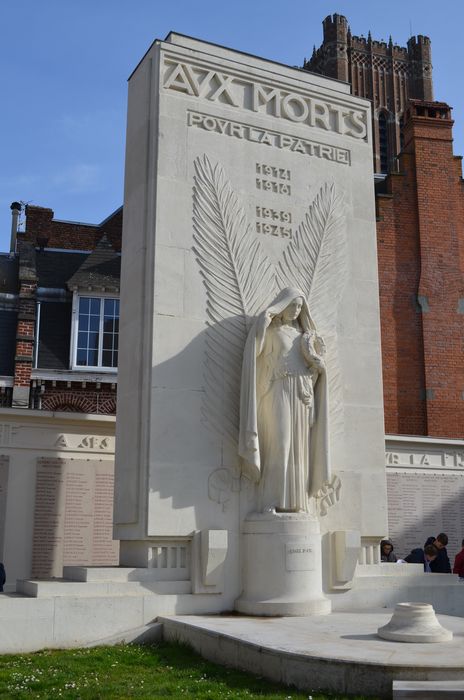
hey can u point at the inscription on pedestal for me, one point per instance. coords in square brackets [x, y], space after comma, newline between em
[299, 557]
[73, 516]
[421, 505]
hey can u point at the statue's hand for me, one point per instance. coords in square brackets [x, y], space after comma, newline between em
[319, 363]
[268, 316]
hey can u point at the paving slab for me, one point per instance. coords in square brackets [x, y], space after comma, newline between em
[340, 652]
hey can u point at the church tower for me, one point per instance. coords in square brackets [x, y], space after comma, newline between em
[387, 74]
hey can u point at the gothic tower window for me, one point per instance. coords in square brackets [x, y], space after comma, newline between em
[401, 124]
[383, 142]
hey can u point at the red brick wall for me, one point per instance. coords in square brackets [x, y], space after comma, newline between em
[26, 323]
[439, 197]
[420, 233]
[41, 226]
[401, 322]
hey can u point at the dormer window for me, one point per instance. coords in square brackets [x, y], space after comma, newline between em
[96, 332]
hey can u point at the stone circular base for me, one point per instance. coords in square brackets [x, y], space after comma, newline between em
[414, 622]
[281, 608]
[282, 568]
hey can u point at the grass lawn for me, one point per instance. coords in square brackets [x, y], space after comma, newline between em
[132, 671]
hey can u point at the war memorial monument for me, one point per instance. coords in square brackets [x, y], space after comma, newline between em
[250, 471]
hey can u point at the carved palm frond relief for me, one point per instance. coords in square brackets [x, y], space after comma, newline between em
[238, 278]
[315, 259]
[316, 262]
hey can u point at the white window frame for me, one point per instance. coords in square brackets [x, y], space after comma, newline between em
[75, 329]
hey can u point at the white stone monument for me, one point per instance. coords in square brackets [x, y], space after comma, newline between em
[248, 213]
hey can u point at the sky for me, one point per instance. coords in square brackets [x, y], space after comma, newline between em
[65, 63]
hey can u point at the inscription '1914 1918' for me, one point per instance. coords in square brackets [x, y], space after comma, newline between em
[276, 180]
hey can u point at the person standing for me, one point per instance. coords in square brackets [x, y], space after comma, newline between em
[441, 564]
[386, 551]
[458, 567]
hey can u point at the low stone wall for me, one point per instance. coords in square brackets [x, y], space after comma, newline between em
[425, 491]
[56, 492]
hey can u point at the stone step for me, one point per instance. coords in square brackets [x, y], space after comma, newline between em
[416, 579]
[387, 569]
[66, 587]
[435, 690]
[115, 574]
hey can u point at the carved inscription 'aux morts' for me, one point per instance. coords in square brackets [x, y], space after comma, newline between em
[268, 137]
[240, 92]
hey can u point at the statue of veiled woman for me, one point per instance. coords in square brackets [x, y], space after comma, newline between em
[284, 406]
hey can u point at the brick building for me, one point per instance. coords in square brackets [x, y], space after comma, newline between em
[59, 314]
[420, 235]
[420, 226]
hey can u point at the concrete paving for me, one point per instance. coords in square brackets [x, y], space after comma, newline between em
[340, 652]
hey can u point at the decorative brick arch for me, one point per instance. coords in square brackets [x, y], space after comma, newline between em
[69, 402]
[108, 406]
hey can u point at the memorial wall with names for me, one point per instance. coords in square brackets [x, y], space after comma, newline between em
[73, 516]
[425, 487]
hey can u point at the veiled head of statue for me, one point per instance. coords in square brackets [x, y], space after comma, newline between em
[289, 305]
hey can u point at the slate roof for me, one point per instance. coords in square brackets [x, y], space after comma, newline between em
[9, 275]
[54, 268]
[100, 270]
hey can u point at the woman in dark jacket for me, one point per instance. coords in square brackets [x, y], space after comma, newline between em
[386, 551]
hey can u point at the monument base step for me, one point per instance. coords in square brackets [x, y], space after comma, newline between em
[444, 591]
[421, 690]
[83, 589]
[69, 621]
[91, 581]
[115, 574]
[285, 608]
[338, 653]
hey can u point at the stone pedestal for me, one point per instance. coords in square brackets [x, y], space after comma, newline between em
[414, 622]
[282, 572]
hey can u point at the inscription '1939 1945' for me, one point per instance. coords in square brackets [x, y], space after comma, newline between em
[220, 87]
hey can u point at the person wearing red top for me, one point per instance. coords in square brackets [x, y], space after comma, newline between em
[458, 567]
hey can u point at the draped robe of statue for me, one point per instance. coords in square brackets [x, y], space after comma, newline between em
[283, 442]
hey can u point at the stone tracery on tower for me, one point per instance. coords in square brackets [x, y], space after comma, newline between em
[385, 73]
